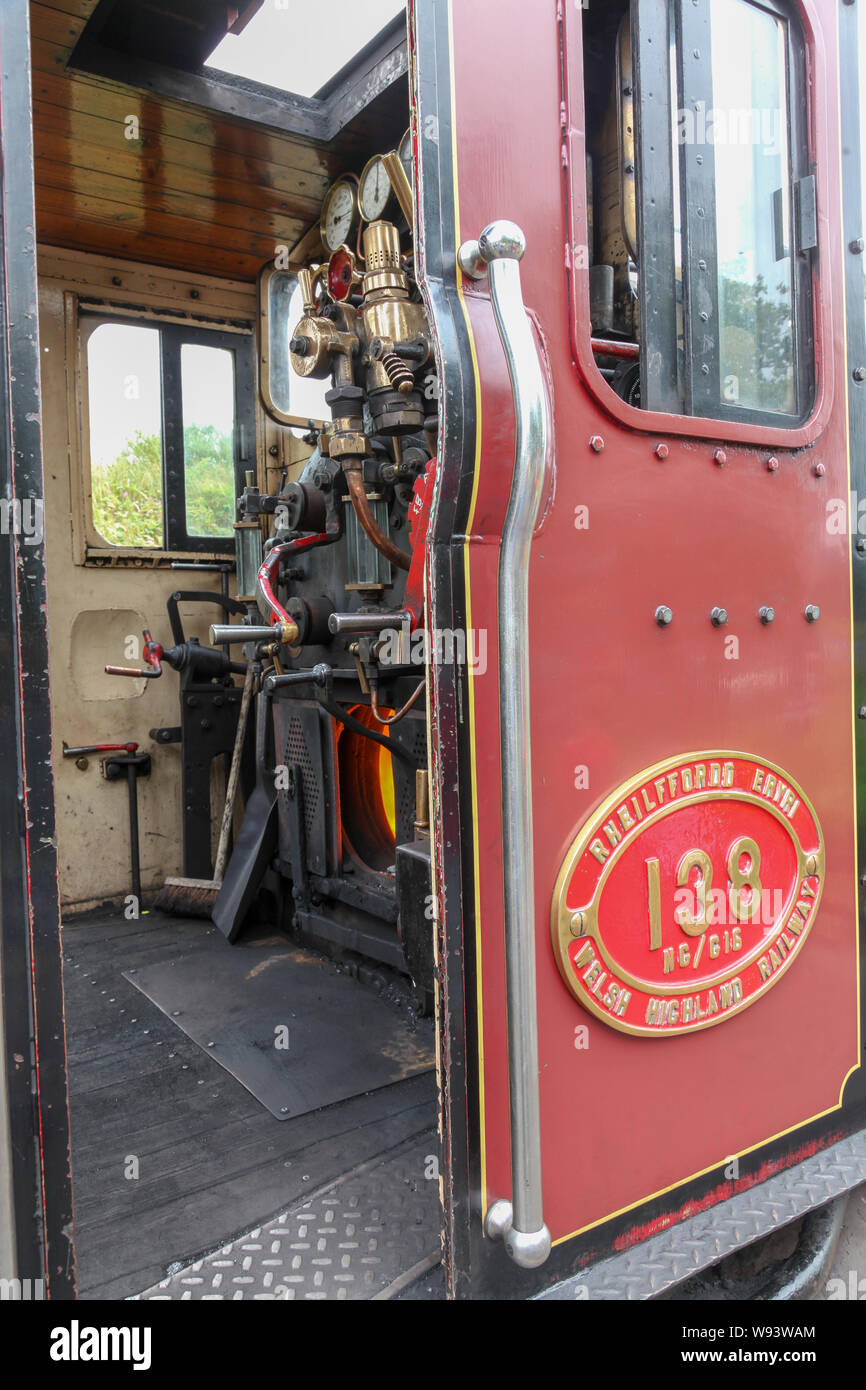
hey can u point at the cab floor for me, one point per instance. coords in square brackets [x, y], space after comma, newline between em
[172, 1157]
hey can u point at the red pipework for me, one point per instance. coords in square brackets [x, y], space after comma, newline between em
[153, 654]
[604, 347]
[267, 573]
[419, 519]
[99, 748]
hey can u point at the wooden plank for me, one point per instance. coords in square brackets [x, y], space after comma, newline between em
[84, 234]
[163, 117]
[167, 225]
[58, 129]
[52, 25]
[47, 56]
[151, 196]
[124, 282]
[79, 9]
[133, 1247]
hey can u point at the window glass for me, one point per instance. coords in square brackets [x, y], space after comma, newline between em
[124, 389]
[290, 394]
[753, 208]
[208, 395]
[706, 309]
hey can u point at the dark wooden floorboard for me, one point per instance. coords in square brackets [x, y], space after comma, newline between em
[211, 1161]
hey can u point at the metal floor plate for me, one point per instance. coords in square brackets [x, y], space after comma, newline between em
[369, 1235]
[294, 1030]
[668, 1258]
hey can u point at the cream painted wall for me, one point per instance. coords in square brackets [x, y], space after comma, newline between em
[101, 605]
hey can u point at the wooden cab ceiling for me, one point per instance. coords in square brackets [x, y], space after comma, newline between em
[222, 172]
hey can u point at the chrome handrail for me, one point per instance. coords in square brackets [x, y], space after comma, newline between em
[498, 253]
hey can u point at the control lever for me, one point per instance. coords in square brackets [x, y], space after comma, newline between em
[320, 675]
[206, 662]
[153, 655]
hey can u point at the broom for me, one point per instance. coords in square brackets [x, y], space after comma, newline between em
[195, 897]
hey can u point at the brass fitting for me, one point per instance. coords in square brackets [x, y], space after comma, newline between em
[287, 633]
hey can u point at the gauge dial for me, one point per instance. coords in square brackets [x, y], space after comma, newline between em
[338, 214]
[375, 190]
[404, 150]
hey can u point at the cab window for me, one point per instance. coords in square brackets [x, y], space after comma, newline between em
[702, 208]
[169, 429]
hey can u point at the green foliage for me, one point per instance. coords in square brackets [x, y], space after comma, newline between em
[210, 485]
[127, 493]
[758, 342]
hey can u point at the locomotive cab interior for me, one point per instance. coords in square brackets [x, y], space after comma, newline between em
[241, 405]
[244, 442]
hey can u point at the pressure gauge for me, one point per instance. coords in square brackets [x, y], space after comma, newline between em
[375, 190]
[338, 214]
[404, 150]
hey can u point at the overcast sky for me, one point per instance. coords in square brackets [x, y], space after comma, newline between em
[298, 47]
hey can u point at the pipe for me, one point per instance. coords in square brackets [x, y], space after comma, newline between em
[383, 544]
[135, 867]
[266, 579]
[605, 347]
[340, 623]
[393, 718]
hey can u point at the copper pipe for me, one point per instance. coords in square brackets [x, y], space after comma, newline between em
[386, 547]
[393, 718]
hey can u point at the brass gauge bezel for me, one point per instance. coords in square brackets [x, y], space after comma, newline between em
[343, 182]
[374, 216]
[406, 160]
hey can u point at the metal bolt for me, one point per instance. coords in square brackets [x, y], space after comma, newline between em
[719, 617]
[720, 457]
[662, 451]
[860, 547]
[81, 764]
[813, 612]
[767, 615]
[857, 246]
[819, 470]
[664, 615]
[859, 373]
[773, 463]
[861, 713]
[596, 443]
[705, 370]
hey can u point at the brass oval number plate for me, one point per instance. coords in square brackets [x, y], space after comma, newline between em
[688, 894]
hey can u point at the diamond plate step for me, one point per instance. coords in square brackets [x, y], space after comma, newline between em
[368, 1235]
[668, 1258]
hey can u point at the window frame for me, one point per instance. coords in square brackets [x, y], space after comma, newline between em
[755, 429]
[698, 187]
[263, 286]
[173, 334]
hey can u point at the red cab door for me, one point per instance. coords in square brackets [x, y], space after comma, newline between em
[643, 741]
